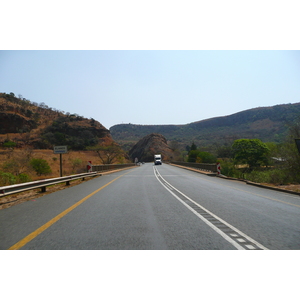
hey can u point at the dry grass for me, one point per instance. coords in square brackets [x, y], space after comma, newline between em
[288, 187]
[70, 161]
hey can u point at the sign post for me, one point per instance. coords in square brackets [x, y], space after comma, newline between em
[60, 150]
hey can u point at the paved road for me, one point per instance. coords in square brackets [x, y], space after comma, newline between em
[155, 207]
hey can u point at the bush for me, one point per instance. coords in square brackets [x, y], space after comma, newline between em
[201, 157]
[258, 176]
[228, 169]
[7, 179]
[206, 157]
[23, 177]
[76, 163]
[278, 176]
[9, 144]
[40, 166]
[274, 176]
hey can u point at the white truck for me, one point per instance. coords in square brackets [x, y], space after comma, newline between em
[157, 159]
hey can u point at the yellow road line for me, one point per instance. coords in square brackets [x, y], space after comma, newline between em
[35, 233]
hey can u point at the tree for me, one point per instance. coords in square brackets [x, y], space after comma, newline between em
[224, 151]
[289, 153]
[107, 153]
[250, 151]
[40, 166]
[201, 157]
[193, 155]
[193, 147]
[205, 157]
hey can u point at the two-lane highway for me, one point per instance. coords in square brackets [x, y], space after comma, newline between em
[155, 207]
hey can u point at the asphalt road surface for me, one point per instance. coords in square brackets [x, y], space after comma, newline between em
[155, 207]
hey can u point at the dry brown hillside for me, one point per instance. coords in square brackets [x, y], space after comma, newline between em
[30, 130]
[38, 126]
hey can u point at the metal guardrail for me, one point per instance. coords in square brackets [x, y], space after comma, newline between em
[22, 187]
[199, 166]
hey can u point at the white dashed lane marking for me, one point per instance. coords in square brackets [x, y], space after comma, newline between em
[234, 236]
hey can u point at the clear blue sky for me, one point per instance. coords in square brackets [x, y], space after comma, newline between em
[152, 87]
[154, 84]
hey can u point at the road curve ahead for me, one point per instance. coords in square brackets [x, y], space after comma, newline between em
[155, 207]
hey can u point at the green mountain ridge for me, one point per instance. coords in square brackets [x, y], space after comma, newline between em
[270, 124]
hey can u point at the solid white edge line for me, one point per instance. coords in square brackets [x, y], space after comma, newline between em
[226, 237]
[205, 220]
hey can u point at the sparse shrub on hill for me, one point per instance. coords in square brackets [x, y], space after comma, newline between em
[76, 163]
[63, 132]
[23, 177]
[7, 179]
[40, 166]
[9, 144]
[17, 162]
[12, 166]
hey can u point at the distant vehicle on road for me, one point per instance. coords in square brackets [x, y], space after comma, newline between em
[157, 159]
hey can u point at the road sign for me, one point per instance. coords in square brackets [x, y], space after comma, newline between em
[89, 166]
[60, 149]
[218, 168]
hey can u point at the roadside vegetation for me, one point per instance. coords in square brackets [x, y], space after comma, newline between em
[24, 165]
[29, 130]
[253, 160]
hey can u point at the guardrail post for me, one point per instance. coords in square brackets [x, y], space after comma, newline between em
[43, 189]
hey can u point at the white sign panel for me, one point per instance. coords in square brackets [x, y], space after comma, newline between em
[60, 149]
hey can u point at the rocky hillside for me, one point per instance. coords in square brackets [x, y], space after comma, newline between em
[270, 124]
[36, 125]
[149, 145]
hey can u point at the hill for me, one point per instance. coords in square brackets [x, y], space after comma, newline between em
[270, 124]
[29, 124]
[149, 145]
